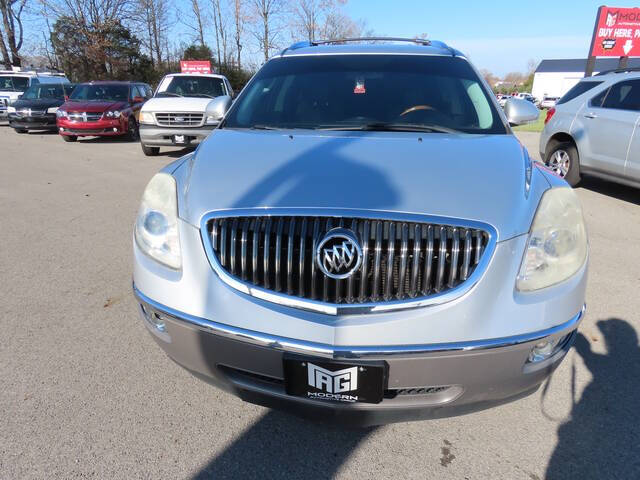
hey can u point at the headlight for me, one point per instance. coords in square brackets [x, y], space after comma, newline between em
[557, 245]
[146, 117]
[11, 109]
[112, 113]
[212, 120]
[61, 113]
[156, 229]
[52, 110]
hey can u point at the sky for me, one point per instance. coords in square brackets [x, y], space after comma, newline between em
[501, 36]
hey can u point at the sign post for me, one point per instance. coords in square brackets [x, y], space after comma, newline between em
[616, 34]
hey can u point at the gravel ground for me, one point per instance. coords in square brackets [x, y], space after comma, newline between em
[86, 393]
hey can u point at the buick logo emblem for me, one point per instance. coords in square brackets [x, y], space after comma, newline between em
[339, 254]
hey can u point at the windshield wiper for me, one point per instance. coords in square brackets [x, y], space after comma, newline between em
[196, 95]
[264, 127]
[172, 94]
[391, 127]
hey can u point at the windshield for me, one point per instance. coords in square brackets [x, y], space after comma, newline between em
[191, 86]
[101, 93]
[13, 84]
[367, 91]
[46, 90]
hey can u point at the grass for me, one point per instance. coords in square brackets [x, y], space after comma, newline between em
[536, 126]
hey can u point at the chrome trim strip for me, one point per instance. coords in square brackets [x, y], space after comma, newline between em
[339, 351]
[337, 213]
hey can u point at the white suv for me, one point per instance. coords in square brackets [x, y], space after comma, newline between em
[593, 130]
[176, 115]
[14, 83]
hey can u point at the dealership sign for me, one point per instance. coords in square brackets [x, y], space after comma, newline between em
[196, 66]
[617, 33]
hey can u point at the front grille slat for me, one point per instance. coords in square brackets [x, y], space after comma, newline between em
[401, 260]
[177, 119]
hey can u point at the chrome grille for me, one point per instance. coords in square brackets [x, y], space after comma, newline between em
[179, 119]
[402, 260]
[84, 116]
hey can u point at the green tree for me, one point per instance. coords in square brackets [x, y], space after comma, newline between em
[197, 52]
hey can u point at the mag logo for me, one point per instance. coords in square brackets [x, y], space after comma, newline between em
[333, 385]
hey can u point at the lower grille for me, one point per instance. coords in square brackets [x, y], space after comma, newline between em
[179, 119]
[401, 260]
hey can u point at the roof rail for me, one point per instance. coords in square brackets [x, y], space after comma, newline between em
[618, 70]
[420, 41]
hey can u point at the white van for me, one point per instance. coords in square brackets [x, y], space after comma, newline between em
[14, 83]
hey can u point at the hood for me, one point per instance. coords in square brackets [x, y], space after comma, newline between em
[38, 103]
[79, 106]
[486, 178]
[177, 104]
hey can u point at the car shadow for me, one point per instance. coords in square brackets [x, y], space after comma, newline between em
[107, 139]
[279, 445]
[611, 189]
[601, 439]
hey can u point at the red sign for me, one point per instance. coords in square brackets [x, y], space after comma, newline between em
[195, 66]
[617, 33]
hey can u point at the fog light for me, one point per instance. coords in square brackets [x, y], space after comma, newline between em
[115, 129]
[547, 348]
[154, 319]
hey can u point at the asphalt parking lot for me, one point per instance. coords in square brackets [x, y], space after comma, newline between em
[86, 393]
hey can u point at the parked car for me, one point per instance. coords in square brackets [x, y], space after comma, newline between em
[102, 109]
[548, 102]
[592, 130]
[363, 238]
[176, 115]
[502, 99]
[14, 83]
[36, 109]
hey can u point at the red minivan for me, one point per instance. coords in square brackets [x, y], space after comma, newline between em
[102, 109]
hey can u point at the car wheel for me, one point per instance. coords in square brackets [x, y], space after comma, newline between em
[69, 138]
[132, 132]
[563, 159]
[20, 130]
[150, 151]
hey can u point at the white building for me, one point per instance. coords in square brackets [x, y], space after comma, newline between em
[553, 78]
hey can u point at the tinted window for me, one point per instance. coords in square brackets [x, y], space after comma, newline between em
[350, 91]
[624, 96]
[101, 93]
[14, 84]
[598, 99]
[191, 86]
[577, 90]
[46, 90]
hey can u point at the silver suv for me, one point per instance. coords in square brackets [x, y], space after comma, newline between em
[363, 238]
[592, 130]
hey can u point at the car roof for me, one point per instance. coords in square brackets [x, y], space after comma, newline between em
[382, 45]
[211, 75]
[110, 82]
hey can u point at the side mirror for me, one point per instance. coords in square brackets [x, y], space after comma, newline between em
[138, 99]
[217, 108]
[520, 112]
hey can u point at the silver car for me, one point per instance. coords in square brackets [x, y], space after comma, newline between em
[593, 130]
[363, 239]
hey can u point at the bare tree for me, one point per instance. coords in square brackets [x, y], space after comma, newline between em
[11, 33]
[199, 16]
[153, 16]
[239, 17]
[267, 26]
[220, 28]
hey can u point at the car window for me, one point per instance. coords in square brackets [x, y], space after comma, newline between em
[44, 90]
[13, 84]
[351, 91]
[191, 86]
[577, 90]
[100, 93]
[598, 99]
[623, 96]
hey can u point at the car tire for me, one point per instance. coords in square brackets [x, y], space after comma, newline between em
[150, 151]
[69, 138]
[21, 130]
[133, 133]
[562, 158]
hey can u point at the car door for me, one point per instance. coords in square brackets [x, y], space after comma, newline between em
[138, 96]
[632, 167]
[609, 120]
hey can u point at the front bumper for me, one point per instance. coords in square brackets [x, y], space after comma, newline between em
[99, 128]
[425, 381]
[154, 136]
[40, 122]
